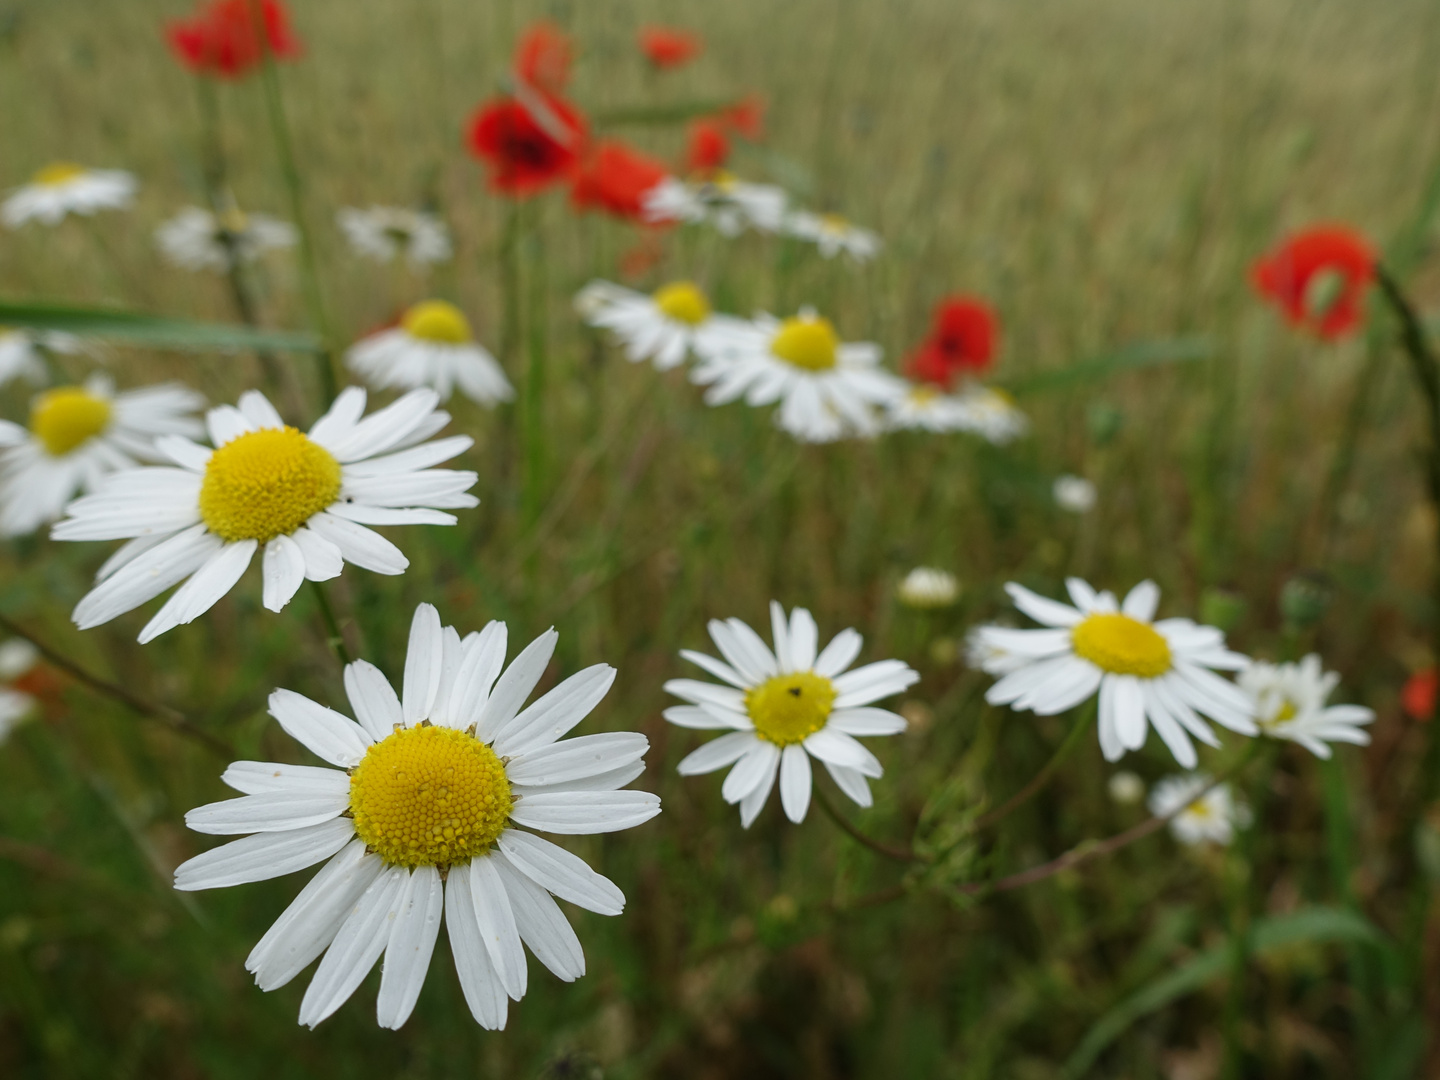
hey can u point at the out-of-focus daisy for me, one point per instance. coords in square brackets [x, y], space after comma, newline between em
[423, 819]
[195, 239]
[926, 587]
[385, 233]
[77, 436]
[1073, 493]
[992, 414]
[17, 659]
[1289, 703]
[21, 356]
[983, 653]
[65, 188]
[433, 346]
[731, 205]
[662, 327]
[827, 389]
[783, 707]
[1209, 818]
[1147, 673]
[615, 178]
[223, 38]
[666, 47]
[1318, 279]
[1126, 788]
[304, 499]
[832, 234]
[925, 407]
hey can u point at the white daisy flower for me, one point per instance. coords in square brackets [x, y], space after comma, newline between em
[1147, 672]
[384, 233]
[1289, 703]
[731, 205]
[927, 587]
[662, 327]
[305, 499]
[924, 407]
[832, 234]
[423, 819]
[77, 436]
[827, 389]
[433, 346]
[983, 654]
[194, 239]
[1212, 817]
[21, 356]
[1074, 493]
[781, 708]
[992, 414]
[1126, 788]
[17, 658]
[64, 188]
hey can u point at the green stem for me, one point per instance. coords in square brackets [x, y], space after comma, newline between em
[1242, 874]
[333, 637]
[1084, 718]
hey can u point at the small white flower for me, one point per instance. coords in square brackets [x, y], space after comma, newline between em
[730, 205]
[781, 708]
[1126, 788]
[664, 327]
[422, 820]
[77, 436]
[1212, 817]
[1147, 673]
[992, 414]
[1289, 703]
[927, 587]
[923, 407]
[194, 239]
[384, 233]
[17, 658]
[827, 389]
[1074, 493]
[304, 499]
[433, 346]
[63, 188]
[832, 234]
[20, 352]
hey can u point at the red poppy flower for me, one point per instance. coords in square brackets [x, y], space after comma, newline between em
[223, 37]
[543, 56]
[1319, 278]
[962, 341]
[709, 147]
[1418, 696]
[530, 146]
[615, 179]
[746, 117]
[667, 48]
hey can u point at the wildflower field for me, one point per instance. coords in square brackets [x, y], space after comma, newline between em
[719, 540]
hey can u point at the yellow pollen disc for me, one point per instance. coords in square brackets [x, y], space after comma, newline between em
[833, 223]
[1122, 645]
[65, 418]
[683, 301]
[62, 172]
[429, 796]
[266, 484]
[924, 395]
[233, 221]
[807, 343]
[437, 320]
[786, 708]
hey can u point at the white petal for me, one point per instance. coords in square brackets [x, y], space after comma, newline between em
[852, 782]
[541, 923]
[780, 631]
[146, 576]
[206, 586]
[873, 682]
[795, 782]
[256, 409]
[575, 759]
[752, 804]
[358, 545]
[273, 811]
[284, 572]
[423, 662]
[566, 875]
[323, 560]
[555, 714]
[373, 699]
[867, 721]
[484, 657]
[760, 758]
[323, 731]
[497, 925]
[836, 747]
[718, 753]
[257, 777]
[804, 640]
[1130, 722]
[263, 856]
[844, 647]
[702, 719]
[718, 668]
[1141, 602]
[361, 939]
[412, 941]
[478, 979]
[579, 812]
[515, 685]
[1042, 610]
[703, 693]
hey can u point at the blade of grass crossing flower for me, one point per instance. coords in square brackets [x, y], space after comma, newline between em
[154, 331]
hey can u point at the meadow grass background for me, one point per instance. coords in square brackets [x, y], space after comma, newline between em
[1105, 171]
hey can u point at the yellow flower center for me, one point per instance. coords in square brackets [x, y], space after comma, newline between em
[61, 172]
[266, 484]
[232, 221]
[924, 395]
[786, 708]
[684, 302]
[1122, 645]
[437, 320]
[1200, 809]
[429, 796]
[1287, 710]
[808, 343]
[65, 418]
[833, 223]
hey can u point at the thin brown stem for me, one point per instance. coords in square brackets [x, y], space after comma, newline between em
[1082, 724]
[898, 854]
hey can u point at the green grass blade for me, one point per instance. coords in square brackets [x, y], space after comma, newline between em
[678, 113]
[160, 332]
[1141, 355]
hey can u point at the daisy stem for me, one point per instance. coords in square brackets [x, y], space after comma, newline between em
[333, 637]
[1085, 717]
[898, 854]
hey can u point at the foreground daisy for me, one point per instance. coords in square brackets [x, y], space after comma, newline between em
[423, 820]
[827, 389]
[1147, 672]
[64, 188]
[1209, 818]
[77, 436]
[17, 659]
[731, 205]
[21, 355]
[195, 239]
[1289, 703]
[433, 346]
[784, 707]
[305, 499]
[832, 234]
[385, 233]
[662, 327]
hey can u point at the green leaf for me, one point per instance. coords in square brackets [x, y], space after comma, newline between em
[132, 328]
[678, 113]
[1275, 932]
[1141, 355]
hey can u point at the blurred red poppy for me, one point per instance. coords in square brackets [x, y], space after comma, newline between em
[543, 57]
[615, 179]
[709, 147]
[668, 48]
[223, 38]
[1318, 278]
[962, 341]
[528, 147]
[746, 117]
[1418, 696]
